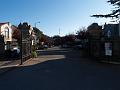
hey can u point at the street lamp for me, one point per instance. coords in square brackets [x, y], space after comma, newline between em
[36, 23]
[21, 56]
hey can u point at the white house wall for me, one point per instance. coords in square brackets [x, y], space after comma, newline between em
[3, 27]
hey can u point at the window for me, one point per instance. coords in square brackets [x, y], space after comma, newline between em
[6, 32]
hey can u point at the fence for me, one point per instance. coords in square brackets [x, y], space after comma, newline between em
[26, 49]
[104, 48]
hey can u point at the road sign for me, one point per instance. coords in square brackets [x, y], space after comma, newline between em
[108, 49]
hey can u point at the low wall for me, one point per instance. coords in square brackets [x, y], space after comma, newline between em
[97, 49]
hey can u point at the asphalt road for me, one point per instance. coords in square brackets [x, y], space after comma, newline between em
[62, 69]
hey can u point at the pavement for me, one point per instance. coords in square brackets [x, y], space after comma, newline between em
[8, 65]
[61, 69]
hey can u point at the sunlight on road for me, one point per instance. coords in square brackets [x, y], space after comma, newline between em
[41, 59]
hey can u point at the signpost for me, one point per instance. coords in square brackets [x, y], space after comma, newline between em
[108, 49]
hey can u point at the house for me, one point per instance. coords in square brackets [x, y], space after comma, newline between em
[6, 32]
[104, 42]
[111, 30]
[95, 31]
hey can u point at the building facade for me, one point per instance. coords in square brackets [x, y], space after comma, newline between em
[6, 32]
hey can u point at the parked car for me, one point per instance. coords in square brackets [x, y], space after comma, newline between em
[77, 47]
[45, 46]
[15, 52]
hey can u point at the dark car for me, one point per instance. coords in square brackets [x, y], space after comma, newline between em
[77, 47]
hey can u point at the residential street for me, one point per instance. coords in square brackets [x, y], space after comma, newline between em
[62, 69]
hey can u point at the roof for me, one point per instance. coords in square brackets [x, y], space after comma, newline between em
[3, 23]
[14, 27]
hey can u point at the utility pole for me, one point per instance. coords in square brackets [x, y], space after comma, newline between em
[59, 31]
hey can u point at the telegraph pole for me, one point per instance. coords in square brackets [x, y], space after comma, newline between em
[59, 31]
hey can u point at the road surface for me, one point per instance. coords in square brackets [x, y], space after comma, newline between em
[62, 69]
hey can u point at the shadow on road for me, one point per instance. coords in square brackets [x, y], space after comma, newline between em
[70, 73]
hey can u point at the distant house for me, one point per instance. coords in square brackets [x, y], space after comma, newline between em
[6, 32]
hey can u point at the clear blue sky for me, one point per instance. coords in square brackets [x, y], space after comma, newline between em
[68, 15]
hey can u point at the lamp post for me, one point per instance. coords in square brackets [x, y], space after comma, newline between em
[36, 23]
[20, 27]
[21, 48]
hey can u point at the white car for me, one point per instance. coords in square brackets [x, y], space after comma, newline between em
[17, 49]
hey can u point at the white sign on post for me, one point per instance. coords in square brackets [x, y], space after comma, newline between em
[108, 49]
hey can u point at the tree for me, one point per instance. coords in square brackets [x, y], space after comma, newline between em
[70, 38]
[42, 38]
[81, 33]
[115, 13]
[24, 29]
[37, 32]
[57, 40]
[16, 32]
